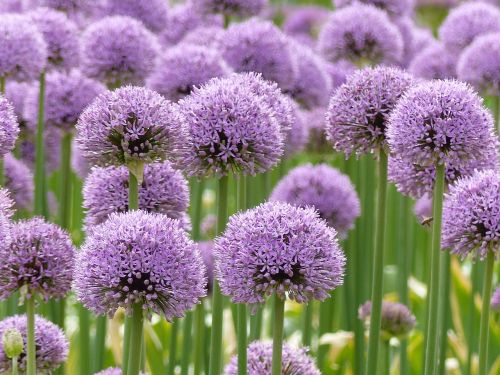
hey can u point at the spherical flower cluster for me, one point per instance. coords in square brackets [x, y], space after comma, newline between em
[61, 36]
[339, 71]
[163, 190]
[305, 20]
[140, 257]
[206, 36]
[9, 128]
[40, 258]
[207, 254]
[67, 94]
[259, 360]
[24, 51]
[19, 181]
[415, 39]
[259, 46]
[397, 319]
[181, 68]
[52, 145]
[393, 7]
[278, 248]
[479, 66]
[127, 125]
[118, 50]
[231, 129]
[315, 125]
[51, 345]
[423, 207]
[324, 188]
[297, 136]
[495, 300]
[471, 215]
[434, 62]
[16, 92]
[358, 113]
[239, 8]
[152, 13]
[361, 33]
[466, 22]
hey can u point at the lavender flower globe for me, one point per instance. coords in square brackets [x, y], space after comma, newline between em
[361, 33]
[315, 125]
[305, 20]
[206, 36]
[297, 137]
[207, 254]
[163, 190]
[434, 62]
[339, 71]
[140, 257]
[118, 50]
[51, 345]
[397, 319]
[24, 51]
[15, 93]
[67, 6]
[358, 113]
[66, 96]
[181, 68]
[259, 360]
[152, 13]
[325, 189]
[19, 181]
[238, 8]
[12, 6]
[130, 124]
[39, 259]
[310, 262]
[415, 38]
[9, 128]
[495, 300]
[393, 7]
[423, 207]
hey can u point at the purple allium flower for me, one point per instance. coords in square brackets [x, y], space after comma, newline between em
[259, 46]
[67, 94]
[24, 51]
[393, 7]
[423, 207]
[397, 319]
[478, 64]
[78, 162]
[362, 34]
[12, 6]
[52, 144]
[359, 110]
[415, 39]
[68, 6]
[129, 124]
[113, 371]
[259, 360]
[9, 128]
[163, 190]
[315, 125]
[297, 136]
[231, 127]
[208, 225]
[61, 36]
[181, 68]
[16, 92]
[433, 62]
[238, 8]
[339, 71]
[40, 258]
[118, 50]
[140, 257]
[495, 300]
[324, 188]
[471, 215]
[206, 36]
[51, 345]
[466, 22]
[305, 20]
[207, 254]
[6, 208]
[152, 13]
[278, 248]
[19, 181]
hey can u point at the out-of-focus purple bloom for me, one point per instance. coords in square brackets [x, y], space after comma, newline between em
[423, 207]
[130, 124]
[12, 6]
[260, 356]
[118, 50]
[339, 71]
[206, 36]
[113, 371]
[16, 92]
[207, 254]
[140, 257]
[305, 20]
[393, 7]
[78, 162]
[19, 181]
[181, 68]
[278, 248]
[40, 259]
[415, 39]
[495, 300]
[51, 345]
[361, 33]
[208, 226]
[434, 62]
[297, 136]
[471, 215]
[52, 144]
[68, 6]
[238, 8]
[359, 110]
[315, 124]
[9, 128]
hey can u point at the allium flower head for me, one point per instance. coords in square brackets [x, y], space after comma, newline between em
[129, 124]
[118, 50]
[415, 39]
[260, 356]
[9, 128]
[52, 144]
[278, 248]
[19, 181]
[40, 258]
[140, 257]
[206, 36]
[67, 6]
[471, 215]
[181, 68]
[466, 22]
[239, 8]
[305, 20]
[12, 6]
[51, 345]
[6, 209]
[339, 71]
[16, 92]
[297, 137]
[67, 94]
[315, 124]
[359, 110]
[24, 51]
[495, 300]
[393, 7]
[207, 254]
[325, 189]
[231, 128]
[434, 62]
[361, 33]
[152, 13]
[423, 207]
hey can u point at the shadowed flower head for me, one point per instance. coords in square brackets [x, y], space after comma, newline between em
[140, 257]
[40, 259]
[360, 33]
[206, 36]
[305, 20]
[471, 215]
[397, 319]
[9, 128]
[359, 110]
[297, 136]
[19, 181]
[16, 92]
[315, 124]
[260, 356]
[393, 7]
[339, 71]
[130, 124]
[152, 13]
[423, 207]
[239, 8]
[52, 145]
[434, 62]
[278, 248]
[207, 254]
[495, 300]
[51, 345]
[118, 50]
[415, 38]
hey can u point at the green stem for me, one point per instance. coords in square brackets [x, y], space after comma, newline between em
[242, 308]
[378, 265]
[2, 171]
[196, 207]
[256, 324]
[387, 358]
[172, 351]
[14, 366]
[199, 333]
[30, 338]
[279, 318]
[84, 344]
[40, 190]
[100, 343]
[2, 85]
[472, 314]
[485, 313]
[444, 308]
[307, 312]
[186, 343]
[135, 346]
[433, 328]
[65, 205]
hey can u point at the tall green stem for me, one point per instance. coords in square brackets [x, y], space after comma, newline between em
[186, 343]
[172, 351]
[242, 308]
[279, 319]
[136, 328]
[444, 308]
[30, 337]
[65, 205]
[84, 344]
[485, 313]
[199, 334]
[472, 314]
[378, 265]
[433, 330]
[2, 85]
[40, 190]
[307, 316]
[100, 342]
[14, 366]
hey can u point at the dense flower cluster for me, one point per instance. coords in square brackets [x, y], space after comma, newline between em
[434, 62]
[240, 8]
[397, 319]
[206, 36]
[305, 21]
[9, 128]
[152, 13]
[393, 7]
[19, 181]
[297, 136]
